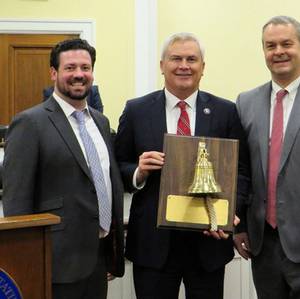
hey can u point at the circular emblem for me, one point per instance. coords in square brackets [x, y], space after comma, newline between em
[8, 287]
[206, 111]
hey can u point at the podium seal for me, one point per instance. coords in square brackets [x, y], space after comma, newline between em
[8, 287]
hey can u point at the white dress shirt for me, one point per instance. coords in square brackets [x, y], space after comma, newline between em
[173, 111]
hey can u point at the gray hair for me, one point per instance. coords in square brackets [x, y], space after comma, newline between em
[284, 20]
[182, 36]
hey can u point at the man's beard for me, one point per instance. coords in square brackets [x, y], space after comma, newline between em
[72, 95]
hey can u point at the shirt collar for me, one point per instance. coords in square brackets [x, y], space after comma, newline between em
[67, 108]
[172, 100]
[292, 87]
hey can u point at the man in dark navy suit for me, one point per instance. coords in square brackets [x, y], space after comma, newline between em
[162, 258]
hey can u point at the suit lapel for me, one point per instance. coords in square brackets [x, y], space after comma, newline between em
[262, 120]
[60, 122]
[204, 114]
[291, 130]
[158, 119]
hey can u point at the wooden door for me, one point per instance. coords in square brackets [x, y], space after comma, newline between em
[24, 70]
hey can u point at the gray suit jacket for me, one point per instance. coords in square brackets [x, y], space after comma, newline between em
[254, 110]
[45, 171]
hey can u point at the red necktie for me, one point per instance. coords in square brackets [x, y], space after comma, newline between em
[274, 157]
[183, 125]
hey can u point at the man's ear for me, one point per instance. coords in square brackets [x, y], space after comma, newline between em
[161, 67]
[53, 73]
[203, 68]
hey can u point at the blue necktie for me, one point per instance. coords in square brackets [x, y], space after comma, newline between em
[96, 170]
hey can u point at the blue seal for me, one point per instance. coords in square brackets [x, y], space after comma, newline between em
[8, 287]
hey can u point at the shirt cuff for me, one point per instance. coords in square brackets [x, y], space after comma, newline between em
[134, 183]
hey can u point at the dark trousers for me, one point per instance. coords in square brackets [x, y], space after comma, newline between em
[274, 275]
[182, 265]
[92, 287]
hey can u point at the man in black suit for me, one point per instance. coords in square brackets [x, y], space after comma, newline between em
[162, 258]
[48, 168]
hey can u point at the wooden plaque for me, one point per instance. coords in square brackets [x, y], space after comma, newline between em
[177, 209]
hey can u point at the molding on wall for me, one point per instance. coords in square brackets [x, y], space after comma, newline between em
[85, 28]
[145, 46]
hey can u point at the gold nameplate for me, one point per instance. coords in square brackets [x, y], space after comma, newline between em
[193, 210]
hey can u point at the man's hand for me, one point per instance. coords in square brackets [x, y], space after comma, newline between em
[241, 243]
[220, 234]
[110, 277]
[149, 161]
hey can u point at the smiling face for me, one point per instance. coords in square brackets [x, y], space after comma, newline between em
[182, 67]
[282, 52]
[74, 77]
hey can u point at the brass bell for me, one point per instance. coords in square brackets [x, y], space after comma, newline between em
[204, 180]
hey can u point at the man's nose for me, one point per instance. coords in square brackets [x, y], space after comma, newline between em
[78, 73]
[184, 64]
[279, 50]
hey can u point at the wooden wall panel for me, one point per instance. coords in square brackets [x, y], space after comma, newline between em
[24, 70]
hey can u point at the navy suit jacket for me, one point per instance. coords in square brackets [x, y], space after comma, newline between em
[141, 128]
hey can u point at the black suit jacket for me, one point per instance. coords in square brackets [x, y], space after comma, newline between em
[142, 127]
[45, 171]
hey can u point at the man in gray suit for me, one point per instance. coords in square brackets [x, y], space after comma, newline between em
[270, 115]
[48, 167]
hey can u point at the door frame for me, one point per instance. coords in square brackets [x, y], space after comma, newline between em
[85, 28]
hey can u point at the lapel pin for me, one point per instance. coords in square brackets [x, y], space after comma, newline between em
[206, 111]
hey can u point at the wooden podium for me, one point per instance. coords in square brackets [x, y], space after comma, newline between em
[25, 254]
